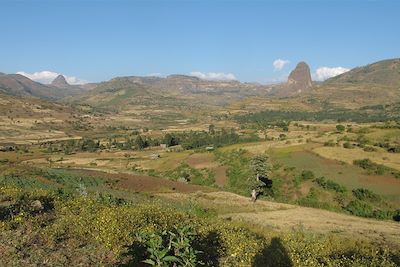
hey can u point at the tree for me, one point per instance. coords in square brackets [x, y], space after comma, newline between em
[170, 140]
[260, 182]
[90, 145]
[140, 143]
[211, 129]
[340, 128]
[259, 165]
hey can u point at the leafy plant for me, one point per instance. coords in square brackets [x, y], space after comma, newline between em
[171, 247]
[158, 253]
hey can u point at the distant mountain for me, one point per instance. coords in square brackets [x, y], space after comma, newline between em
[385, 72]
[120, 91]
[185, 84]
[60, 82]
[373, 84]
[377, 83]
[19, 85]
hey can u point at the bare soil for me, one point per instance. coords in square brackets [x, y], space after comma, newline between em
[143, 183]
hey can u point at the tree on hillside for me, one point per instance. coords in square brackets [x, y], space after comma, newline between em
[260, 181]
[259, 165]
[340, 128]
[211, 129]
[140, 143]
[170, 140]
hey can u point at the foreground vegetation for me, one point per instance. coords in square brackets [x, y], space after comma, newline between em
[47, 228]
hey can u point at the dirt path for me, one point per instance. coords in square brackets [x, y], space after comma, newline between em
[279, 216]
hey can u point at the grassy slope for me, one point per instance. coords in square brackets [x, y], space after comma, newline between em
[103, 231]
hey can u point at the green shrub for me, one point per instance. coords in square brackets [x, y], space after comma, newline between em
[312, 200]
[348, 145]
[304, 176]
[340, 128]
[184, 172]
[365, 194]
[371, 167]
[307, 175]
[360, 208]
[330, 185]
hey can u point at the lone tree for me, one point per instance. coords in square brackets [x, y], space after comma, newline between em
[140, 143]
[260, 182]
[340, 128]
[170, 140]
[211, 129]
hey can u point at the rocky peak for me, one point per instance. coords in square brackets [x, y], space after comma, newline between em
[299, 79]
[60, 82]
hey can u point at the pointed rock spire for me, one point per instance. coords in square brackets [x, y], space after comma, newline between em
[299, 79]
[60, 82]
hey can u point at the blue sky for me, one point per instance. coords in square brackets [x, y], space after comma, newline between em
[97, 40]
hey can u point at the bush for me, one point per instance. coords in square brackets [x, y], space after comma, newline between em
[307, 175]
[304, 176]
[348, 145]
[359, 208]
[330, 185]
[184, 172]
[370, 166]
[311, 200]
[365, 194]
[394, 149]
[396, 215]
[340, 128]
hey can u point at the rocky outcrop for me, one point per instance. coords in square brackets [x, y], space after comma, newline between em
[60, 82]
[299, 79]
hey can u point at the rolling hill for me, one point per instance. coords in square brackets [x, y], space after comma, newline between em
[385, 73]
[19, 85]
[168, 91]
[374, 84]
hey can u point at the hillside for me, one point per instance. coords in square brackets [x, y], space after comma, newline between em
[19, 85]
[374, 84]
[67, 218]
[25, 120]
[170, 90]
[385, 73]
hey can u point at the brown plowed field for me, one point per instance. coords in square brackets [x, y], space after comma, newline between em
[144, 183]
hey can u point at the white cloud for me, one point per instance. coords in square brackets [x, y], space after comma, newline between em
[47, 77]
[220, 76]
[280, 63]
[324, 73]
